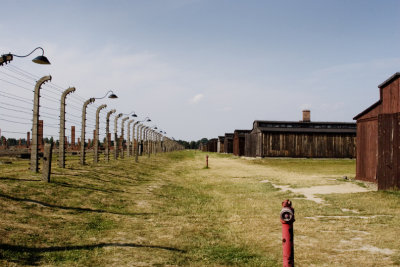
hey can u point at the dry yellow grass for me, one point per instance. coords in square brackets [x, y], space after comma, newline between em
[169, 210]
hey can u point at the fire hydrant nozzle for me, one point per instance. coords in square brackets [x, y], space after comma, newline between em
[287, 212]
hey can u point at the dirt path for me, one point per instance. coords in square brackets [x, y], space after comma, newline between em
[289, 181]
[311, 193]
[347, 229]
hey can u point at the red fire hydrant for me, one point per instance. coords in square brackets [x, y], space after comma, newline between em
[287, 220]
[206, 161]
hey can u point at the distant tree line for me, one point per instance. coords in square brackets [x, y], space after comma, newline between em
[186, 144]
[12, 141]
[193, 144]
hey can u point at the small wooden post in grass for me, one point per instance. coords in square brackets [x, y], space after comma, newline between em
[47, 155]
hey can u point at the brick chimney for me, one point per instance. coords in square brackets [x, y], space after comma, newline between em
[306, 115]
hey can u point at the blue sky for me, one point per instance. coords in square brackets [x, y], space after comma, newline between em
[203, 68]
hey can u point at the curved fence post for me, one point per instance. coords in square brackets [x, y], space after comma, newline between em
[35, 124]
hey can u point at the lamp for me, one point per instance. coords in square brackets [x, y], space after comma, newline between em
[133, 113]
[147, 119]
[112, 95]
[4, 59]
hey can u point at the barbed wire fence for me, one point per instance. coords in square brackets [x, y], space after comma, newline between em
[16, 108]
[17, 104]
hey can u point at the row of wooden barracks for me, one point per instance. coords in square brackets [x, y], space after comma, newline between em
[376, 134]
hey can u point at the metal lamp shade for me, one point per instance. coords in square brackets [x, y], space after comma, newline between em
[41, 60]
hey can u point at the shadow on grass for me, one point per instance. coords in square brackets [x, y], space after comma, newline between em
[17, 179]
[17, 248]
[87, 188]
[98, 173]
[31, 255]
[70, 208]
[80, 176]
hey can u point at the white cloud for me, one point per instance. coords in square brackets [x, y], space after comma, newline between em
[197, 98]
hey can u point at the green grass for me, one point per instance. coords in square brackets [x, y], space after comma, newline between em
[169, 210]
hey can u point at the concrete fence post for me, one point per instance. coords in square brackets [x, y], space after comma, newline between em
[151, 141]
[96, 136]
[158, 143]
[83, 130]
[155, 143]
[28, 139]
[140, 140]
[47, 155]
[122, 136]
[61, 147]
[133, 140]
[72, 138]
[116, 135]
[136, 140]
[128, 139]
[143, 130]
[35, 124]
[146, 140]
[157, 150]
[107, 150]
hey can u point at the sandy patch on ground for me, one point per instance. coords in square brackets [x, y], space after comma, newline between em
[311, 192]
[240, 168]
[345, 217]
[328, 184]
[370, 249]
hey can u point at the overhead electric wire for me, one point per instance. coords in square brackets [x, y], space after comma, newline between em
[32, 76]
[50, 98]
[11, 105]
[14, 117]
[12, 76]
[55, 109]
[73, 115]
[55, 127]
[44, 116]
[28, 123]
[20, 111]
[49, 114]
[16, 97]
[30, 90]
[74, 121]
[43, 90]
[74, 107]
[4, 131]
[51, 85]
[52, 89]
[23, 72]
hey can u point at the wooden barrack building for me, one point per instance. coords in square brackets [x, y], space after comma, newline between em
[378, 138]
[212, 145]
[220, 144]
[301, 139]
[239, 141]
[228, 143]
